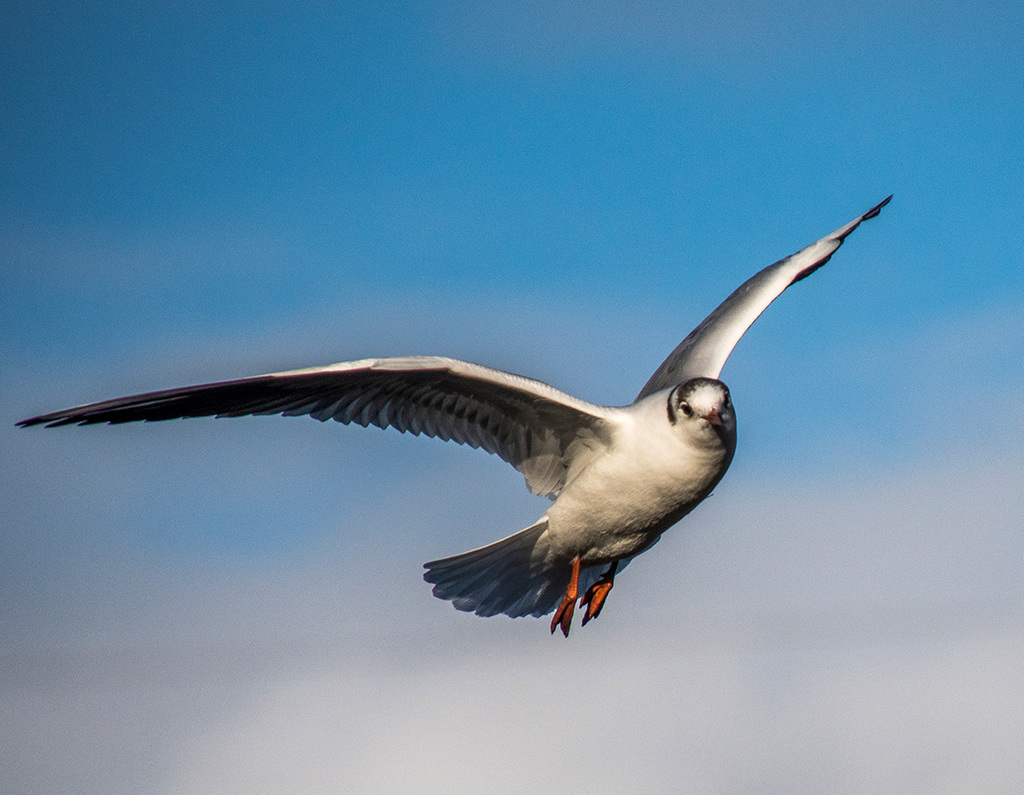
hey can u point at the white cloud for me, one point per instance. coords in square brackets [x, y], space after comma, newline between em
[849, 639]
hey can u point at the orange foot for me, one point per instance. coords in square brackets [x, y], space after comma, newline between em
[594, 598]
[563, 615]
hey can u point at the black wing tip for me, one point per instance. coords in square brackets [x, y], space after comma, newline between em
[53, 421]
[848, 229]
[74, 416]
[167, 404]
[30, 422]
[853, 225]
[877, 208]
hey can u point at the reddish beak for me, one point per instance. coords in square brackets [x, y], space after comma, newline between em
[713, 417]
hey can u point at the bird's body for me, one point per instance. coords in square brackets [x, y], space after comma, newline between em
[656, 460]
[654, 473]
[619, 476]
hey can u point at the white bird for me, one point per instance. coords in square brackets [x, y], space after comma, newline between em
[619, 475]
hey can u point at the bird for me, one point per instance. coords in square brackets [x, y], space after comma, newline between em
[618, 476]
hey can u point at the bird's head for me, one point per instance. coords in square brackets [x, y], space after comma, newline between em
[702, 406]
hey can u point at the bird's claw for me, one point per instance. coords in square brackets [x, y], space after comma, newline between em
[593, 599]
[563, 616]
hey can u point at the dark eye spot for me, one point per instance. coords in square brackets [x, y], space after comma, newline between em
[686, 409]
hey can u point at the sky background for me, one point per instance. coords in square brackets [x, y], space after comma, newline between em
[194, 192]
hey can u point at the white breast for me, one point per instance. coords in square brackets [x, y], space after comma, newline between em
[650, 477]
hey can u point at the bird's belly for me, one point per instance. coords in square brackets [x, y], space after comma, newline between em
[610, 513]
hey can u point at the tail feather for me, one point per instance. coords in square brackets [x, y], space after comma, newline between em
[514, 576]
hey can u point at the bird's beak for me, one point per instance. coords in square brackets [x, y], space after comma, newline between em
[713, 417]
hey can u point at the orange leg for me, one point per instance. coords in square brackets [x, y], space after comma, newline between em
[563, 615]
[594, 598]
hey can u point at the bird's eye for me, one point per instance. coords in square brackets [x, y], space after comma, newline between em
[686, 408]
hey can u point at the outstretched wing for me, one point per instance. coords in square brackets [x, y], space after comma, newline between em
[705, 349]
[536, 428]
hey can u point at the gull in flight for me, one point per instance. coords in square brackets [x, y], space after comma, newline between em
[619, 476]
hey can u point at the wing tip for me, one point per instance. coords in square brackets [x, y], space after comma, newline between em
[58, 420]
[839, 236]
[877, 208]
[40, 420]
[843, 232]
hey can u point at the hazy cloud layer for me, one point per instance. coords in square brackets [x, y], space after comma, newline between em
[267, 629]
[854, 640]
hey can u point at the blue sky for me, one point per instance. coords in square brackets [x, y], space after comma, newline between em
[191, 193]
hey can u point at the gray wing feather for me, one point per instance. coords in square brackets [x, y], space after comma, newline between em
[535, 427]
[706, 348]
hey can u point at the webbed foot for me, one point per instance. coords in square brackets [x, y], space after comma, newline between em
[593, 599]
[563, 615]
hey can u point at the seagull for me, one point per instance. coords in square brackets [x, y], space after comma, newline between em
[618, 476]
